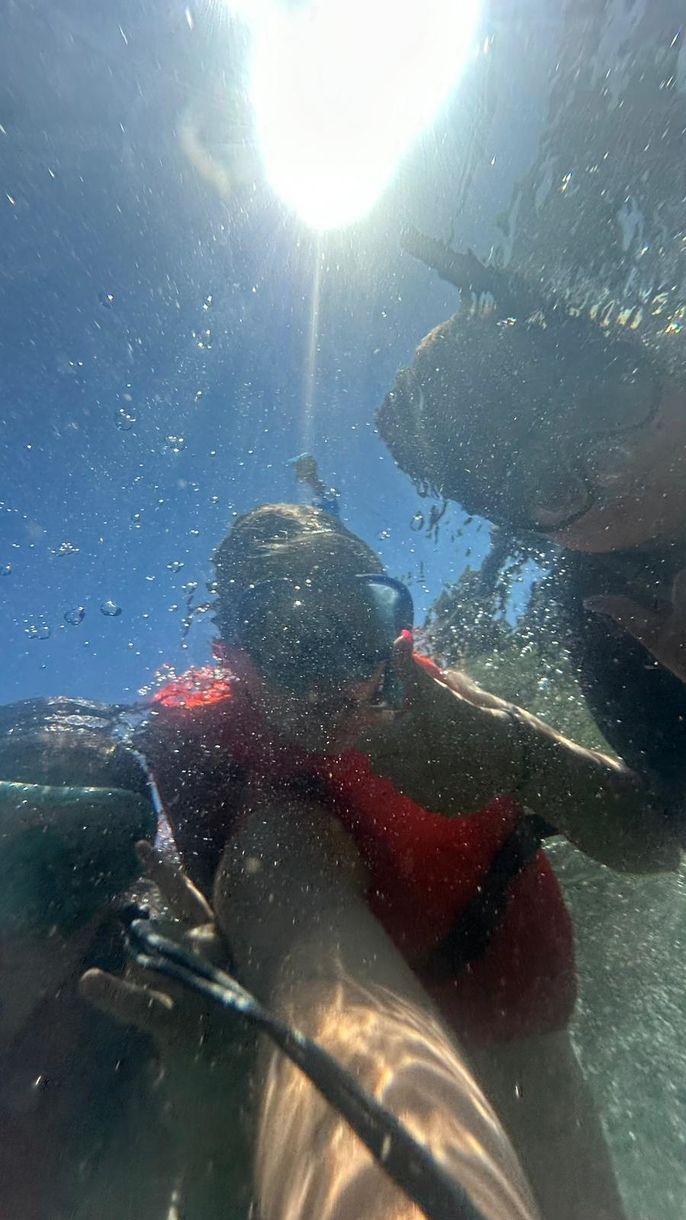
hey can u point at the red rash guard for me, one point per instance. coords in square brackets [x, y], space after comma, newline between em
[205, 740]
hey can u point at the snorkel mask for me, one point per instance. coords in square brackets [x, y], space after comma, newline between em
[305, 636]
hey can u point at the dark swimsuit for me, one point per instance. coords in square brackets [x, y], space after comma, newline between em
[639, 705]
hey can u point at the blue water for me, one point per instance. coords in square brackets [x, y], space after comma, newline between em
[164, 352]
[139, 306]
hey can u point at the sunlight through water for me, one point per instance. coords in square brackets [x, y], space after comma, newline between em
[342, 88]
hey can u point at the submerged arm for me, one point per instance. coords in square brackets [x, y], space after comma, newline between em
[289, 891]
[457, 746]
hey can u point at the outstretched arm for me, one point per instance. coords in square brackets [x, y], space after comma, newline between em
[288, 894]
[456, 746]
[290, 890]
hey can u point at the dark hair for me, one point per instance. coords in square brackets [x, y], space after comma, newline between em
[284, 540]
[484, 391]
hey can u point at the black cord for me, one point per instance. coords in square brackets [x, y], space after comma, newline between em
[407, 1162]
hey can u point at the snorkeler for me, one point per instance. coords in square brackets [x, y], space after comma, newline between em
[314, 642]
[67, 850]
[546, 424]
[298, 680]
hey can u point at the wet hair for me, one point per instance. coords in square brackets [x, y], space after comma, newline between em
[487, 394]
[284, 540]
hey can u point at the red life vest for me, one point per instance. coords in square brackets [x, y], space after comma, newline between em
[425, 868]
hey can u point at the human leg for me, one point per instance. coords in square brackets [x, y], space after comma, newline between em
[546, 1106]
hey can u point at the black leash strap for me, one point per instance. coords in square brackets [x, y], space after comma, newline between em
[476, 925]
[406, 1161]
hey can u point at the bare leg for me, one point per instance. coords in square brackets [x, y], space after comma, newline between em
[546, 1106]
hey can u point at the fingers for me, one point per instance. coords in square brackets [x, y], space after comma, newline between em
[643, 624]
[207, 940]
[662, 635]
[186, 902]
[150, 1011]
[408, 672]
[401, 657]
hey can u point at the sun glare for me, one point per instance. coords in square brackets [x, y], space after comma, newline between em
[341, 89]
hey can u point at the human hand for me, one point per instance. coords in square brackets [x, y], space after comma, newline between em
[197, 1047]
[410, 675]
[661, 632]
[205, 1057]
[171, 1016]
[424, 683]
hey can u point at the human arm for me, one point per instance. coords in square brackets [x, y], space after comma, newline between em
[456, 746]
[291, 884]
[288, 893]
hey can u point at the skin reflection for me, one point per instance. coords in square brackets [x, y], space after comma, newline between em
[309, 1163]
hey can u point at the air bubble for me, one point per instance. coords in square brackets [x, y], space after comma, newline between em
[75, 616]
[123, 420]
[38, 631]
[110, 609]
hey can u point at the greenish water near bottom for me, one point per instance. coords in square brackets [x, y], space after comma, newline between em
[630, 1024]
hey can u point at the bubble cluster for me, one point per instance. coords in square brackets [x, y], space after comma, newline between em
[124, 420]
[65, 548]
[38, 631]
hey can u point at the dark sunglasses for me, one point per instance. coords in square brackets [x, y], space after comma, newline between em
[303, 636]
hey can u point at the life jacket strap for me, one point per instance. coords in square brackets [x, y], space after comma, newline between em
[476, 925]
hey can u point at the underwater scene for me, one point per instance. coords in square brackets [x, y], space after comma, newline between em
[343, 609]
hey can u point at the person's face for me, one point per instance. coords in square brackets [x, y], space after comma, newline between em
[320, 657]
[590, 470]
[583, 443]
[642, 495]
[325, 720]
